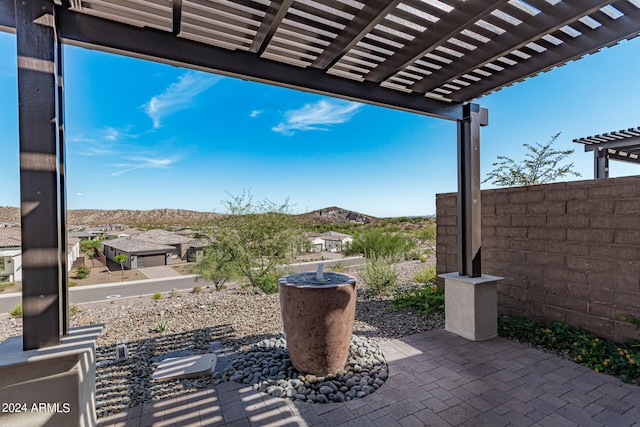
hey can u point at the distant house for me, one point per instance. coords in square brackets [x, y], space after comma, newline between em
[334, 241]
[118, 233]
[84, 235]
[179, 243]
[10, 254]
[73, 251]
[330, 241]
[148, 249]
[139, 253]
[196, 247]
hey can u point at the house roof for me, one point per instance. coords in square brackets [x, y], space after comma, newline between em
[10, 237]
[124, 231]
[424, 56]
[85, 233]
[162, 237]
[335, 233]
[333, 238]
[132, 245]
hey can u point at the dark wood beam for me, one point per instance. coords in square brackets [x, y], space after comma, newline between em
[545, 22]
[7, 15]
[369, 16]
[270, 23]
[441, 31]
[110, 36]
[177, 17]
[39, 192]
[625, 27]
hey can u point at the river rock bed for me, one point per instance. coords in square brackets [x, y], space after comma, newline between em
[266, 367]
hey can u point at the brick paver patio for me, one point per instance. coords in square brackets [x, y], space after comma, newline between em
[436, 379]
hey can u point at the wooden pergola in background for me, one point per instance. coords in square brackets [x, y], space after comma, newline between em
[622, 145]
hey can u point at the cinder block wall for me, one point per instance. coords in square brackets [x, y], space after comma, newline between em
[568, 251]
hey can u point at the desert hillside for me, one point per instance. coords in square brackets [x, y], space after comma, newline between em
[134, 218]
[168, 217]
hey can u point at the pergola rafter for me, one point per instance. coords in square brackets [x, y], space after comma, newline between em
[369, 16]
[626, 27]
[272, 19]
[441, 31]
[529, 31]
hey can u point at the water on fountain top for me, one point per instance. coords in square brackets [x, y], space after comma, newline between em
[310, 279]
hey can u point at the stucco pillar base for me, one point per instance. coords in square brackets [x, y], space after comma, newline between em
[52, 386]
[471, 305]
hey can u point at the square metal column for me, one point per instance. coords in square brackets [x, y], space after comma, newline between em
[469, 214]
[601, 163]
[42, 253]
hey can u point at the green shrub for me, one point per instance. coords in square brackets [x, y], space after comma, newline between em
[196, 289]
[82, 272]
[16, 311]
[379, 276]
[162, 325]
[375, 242]
[267, 283]
[338, 267]
[74, 309]
[426, 275]
[71, 283]
[156, 296]
[621, 360]
[175, 293]
[5, 285]
[424, 300]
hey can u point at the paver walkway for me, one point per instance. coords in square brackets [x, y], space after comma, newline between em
[436, 379]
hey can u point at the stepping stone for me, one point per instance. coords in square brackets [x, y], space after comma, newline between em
[199, 365]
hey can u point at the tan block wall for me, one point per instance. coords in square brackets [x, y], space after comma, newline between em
[568, 251]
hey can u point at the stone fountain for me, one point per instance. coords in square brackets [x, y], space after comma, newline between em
[318, 310]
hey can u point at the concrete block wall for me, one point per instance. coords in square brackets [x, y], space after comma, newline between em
[568, 251]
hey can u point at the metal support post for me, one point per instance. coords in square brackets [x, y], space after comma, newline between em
[62, 185]
[469, 214]
[39, 173]
[600, 163]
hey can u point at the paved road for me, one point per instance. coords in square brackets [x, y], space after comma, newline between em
[113, 291]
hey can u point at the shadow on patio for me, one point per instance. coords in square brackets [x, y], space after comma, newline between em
[436, 378]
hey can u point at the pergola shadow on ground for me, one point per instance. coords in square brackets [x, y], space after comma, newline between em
[436, 378]
[426, 57]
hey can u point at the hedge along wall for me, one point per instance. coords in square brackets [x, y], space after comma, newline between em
[569, 251]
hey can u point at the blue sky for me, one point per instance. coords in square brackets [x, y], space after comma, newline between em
[142, 135]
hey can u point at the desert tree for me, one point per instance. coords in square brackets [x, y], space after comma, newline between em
[258, 238]
[215, 265]
[120, 259]
[541, 165]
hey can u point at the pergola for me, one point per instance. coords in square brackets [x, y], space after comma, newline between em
[430, 57]
[622, 145]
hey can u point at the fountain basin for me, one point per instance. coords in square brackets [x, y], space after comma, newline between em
[318, 320]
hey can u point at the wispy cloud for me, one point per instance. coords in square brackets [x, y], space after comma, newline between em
[178, 96]
[255, 113]
[318, 116]
[107, 141]
[142, 162]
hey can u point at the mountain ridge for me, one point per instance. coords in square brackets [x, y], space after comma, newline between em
[167, 216]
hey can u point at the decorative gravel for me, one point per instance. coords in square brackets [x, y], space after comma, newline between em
[266, 367]
[233, 324]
